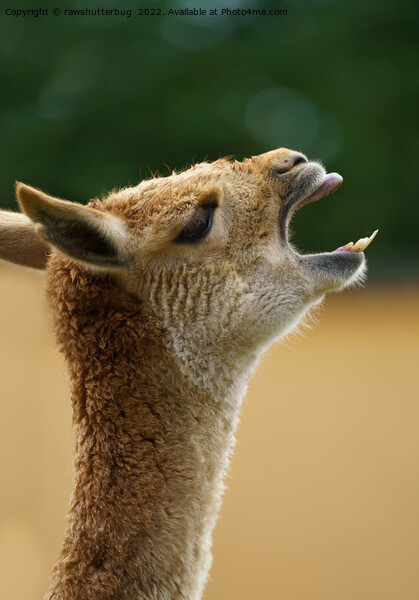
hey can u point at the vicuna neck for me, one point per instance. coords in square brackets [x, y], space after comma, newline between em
[151, 451]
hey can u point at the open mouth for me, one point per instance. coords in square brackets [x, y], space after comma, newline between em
[330, 184]
[328, 271]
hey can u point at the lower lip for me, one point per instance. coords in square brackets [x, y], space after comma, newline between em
[341, 251]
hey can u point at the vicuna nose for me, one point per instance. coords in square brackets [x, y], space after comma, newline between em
[287, 162]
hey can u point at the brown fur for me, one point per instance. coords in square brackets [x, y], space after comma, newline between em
[159, 344]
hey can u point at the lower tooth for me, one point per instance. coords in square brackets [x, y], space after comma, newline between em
[368, 241]
[358, 244]
[363, 243]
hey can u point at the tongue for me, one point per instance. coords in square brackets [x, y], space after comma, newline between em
[329, 185]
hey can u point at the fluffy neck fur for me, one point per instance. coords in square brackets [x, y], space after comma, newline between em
[152, 448]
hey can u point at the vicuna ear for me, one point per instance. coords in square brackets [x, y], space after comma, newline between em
[83, 233]
[19, 242]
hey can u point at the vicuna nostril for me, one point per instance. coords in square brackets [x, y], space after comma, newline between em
[297, 160]
[287, 164]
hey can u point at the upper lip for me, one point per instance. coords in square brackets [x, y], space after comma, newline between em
[320, 185]
[330, 183]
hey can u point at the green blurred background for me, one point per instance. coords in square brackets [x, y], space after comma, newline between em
[96, 102]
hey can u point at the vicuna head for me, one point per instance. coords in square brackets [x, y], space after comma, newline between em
[164, 296]
[217, 234]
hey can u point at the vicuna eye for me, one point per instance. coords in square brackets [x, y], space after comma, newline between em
[198, 226]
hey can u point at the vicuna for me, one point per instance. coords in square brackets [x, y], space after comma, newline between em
[164, 297]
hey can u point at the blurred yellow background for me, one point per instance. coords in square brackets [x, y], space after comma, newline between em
[323, 495]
